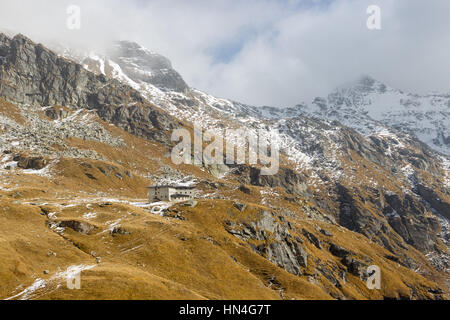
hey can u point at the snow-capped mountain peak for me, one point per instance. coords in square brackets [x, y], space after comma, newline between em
[425, 117]
[143, 65]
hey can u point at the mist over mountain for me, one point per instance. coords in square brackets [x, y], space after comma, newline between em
[276, 53]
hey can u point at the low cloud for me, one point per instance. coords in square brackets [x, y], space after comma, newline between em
[262, 52]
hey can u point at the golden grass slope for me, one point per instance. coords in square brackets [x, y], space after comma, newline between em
[156, 257]
[135, 254]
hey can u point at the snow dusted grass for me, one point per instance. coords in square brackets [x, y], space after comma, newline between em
[446, 166]
[49, 285]
[90, 215]
[268, 195]
[111, 225]
[6, 163]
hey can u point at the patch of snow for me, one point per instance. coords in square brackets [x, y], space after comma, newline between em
[27, 292]
[39, 283]
[445, 162]
[90, 215]
[159, 208]
[44, 172]
[112, 225]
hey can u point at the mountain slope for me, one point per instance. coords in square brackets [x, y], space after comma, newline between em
[324, 150]
[340, 201]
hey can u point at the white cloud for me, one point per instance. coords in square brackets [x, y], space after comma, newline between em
[272, 52]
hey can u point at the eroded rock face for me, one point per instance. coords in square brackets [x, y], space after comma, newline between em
[406, 215]
[339, 251]
[78, 226]
[286, 178]
[354, 266]
[438, 204]
[312, 238]
[287, 254]
[279, 246]
[32, 74]
[357, 202]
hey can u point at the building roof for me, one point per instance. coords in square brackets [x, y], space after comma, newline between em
[171, 186]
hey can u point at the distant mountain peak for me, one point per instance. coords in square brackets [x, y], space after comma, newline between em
[143, 65]
[133, 47]
[365, 84]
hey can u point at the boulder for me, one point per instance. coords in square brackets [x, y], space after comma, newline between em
[34, 163]
[120, 231]
[339, 251]
[355, 267]
[78, 226]
[326, 233]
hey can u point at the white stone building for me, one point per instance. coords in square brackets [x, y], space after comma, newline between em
[170, 193]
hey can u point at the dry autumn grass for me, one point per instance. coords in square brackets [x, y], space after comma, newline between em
[160, 258]
[135, 254]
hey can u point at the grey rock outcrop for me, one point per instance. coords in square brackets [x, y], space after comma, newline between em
[78, 226]
[312, 238]
[354, 266]
[339, 251]
[285, 178]
[35, 163]
[279, 246]
[438, 204]
[286, 254]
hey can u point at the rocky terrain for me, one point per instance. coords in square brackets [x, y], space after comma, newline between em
[34, 75]
[83, 135]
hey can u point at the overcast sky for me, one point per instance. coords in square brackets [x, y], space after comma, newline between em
[263, 52]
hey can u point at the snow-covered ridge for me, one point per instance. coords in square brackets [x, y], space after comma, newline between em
[368, 105]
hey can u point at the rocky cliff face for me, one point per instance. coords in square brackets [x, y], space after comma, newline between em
[31, 74]
[130, 63]
[356, 197]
